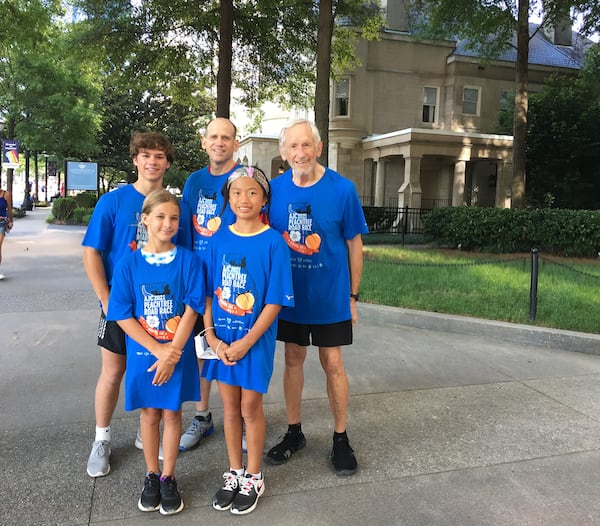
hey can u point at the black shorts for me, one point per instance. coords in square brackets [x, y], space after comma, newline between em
[327, 335]
[111, 336]
[199, 325]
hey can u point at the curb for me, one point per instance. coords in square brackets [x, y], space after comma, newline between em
[524, 334]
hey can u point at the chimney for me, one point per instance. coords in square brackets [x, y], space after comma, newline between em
[560, 32]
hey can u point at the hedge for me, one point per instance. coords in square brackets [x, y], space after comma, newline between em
[555, 231]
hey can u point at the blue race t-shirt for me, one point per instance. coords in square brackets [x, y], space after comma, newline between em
[203, 200]
[316, 221]
[156, 296]
[115, 228]
[245, 273]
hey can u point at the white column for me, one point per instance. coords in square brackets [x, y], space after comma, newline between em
[409, 194]
[458, 187]
[380, 183]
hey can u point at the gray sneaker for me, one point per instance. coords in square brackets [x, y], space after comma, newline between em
[139, 444]
[98, 465]
[199, 428]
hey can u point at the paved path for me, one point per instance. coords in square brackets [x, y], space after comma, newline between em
[455, 421]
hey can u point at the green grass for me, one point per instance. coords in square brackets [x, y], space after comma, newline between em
[495, 287]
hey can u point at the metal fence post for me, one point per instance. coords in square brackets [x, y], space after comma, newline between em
[534, 284]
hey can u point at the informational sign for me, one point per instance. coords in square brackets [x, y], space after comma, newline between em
[81, 176]
[10, 153]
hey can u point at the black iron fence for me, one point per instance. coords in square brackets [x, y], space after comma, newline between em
[394, 220]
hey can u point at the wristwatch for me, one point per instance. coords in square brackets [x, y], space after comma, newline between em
[355, 296]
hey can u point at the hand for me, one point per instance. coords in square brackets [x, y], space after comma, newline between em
[222, 350]
[169, 354]
[237, 350]
[164, 371]
[354, 311]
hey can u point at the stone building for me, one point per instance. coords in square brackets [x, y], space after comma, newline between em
[413, 125]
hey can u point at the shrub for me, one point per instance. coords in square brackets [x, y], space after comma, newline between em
[562, 232]
[63, 208]
[79, 215]
[86, 200]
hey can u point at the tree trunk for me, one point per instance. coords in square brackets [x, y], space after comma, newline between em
[324, 38]
[225, 57]
[521, 106]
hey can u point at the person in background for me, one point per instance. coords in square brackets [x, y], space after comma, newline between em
[156, 296]
[6, 218]
[203, 201]
[320, 216]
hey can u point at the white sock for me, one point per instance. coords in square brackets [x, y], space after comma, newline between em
[204, 413]
[103, 433]
[255, 475]
[239, 472]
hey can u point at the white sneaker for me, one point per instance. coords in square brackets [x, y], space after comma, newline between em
[140, 445]
[1, 276]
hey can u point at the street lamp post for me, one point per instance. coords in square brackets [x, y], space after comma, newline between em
[45, 178]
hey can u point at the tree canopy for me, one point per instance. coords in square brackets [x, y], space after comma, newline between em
[563, 148]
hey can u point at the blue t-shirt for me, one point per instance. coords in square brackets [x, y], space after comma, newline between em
[156, 296]
[316, 221]
[116, 229]
[3, 206]
[203, 200]
[245, 273]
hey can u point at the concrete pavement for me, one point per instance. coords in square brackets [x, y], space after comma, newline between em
[455, 421]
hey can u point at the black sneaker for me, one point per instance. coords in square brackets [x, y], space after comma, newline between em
[170, 500]
[289, 443]
[342, 456]
[247, 498]
[224, 497]
[150, 499]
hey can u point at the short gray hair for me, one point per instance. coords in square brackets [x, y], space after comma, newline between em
[314, 129]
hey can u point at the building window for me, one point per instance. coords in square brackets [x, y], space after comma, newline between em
[470, 102]
[342, 98]
[507, 101]
[430, 103]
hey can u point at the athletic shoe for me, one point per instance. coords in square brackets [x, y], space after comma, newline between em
[2, 276]
[150, 499]
[224, 497]
[342, 457]
[98, 465]
[251, 488]
[289, 443]
[170, 500]
[199, 428]
[139, 444]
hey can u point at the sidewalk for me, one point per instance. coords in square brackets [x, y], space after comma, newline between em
[455, 421]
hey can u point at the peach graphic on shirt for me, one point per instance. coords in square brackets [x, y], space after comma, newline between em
[313, 241]
[213, 223]
[172, 324]
[245, 301]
